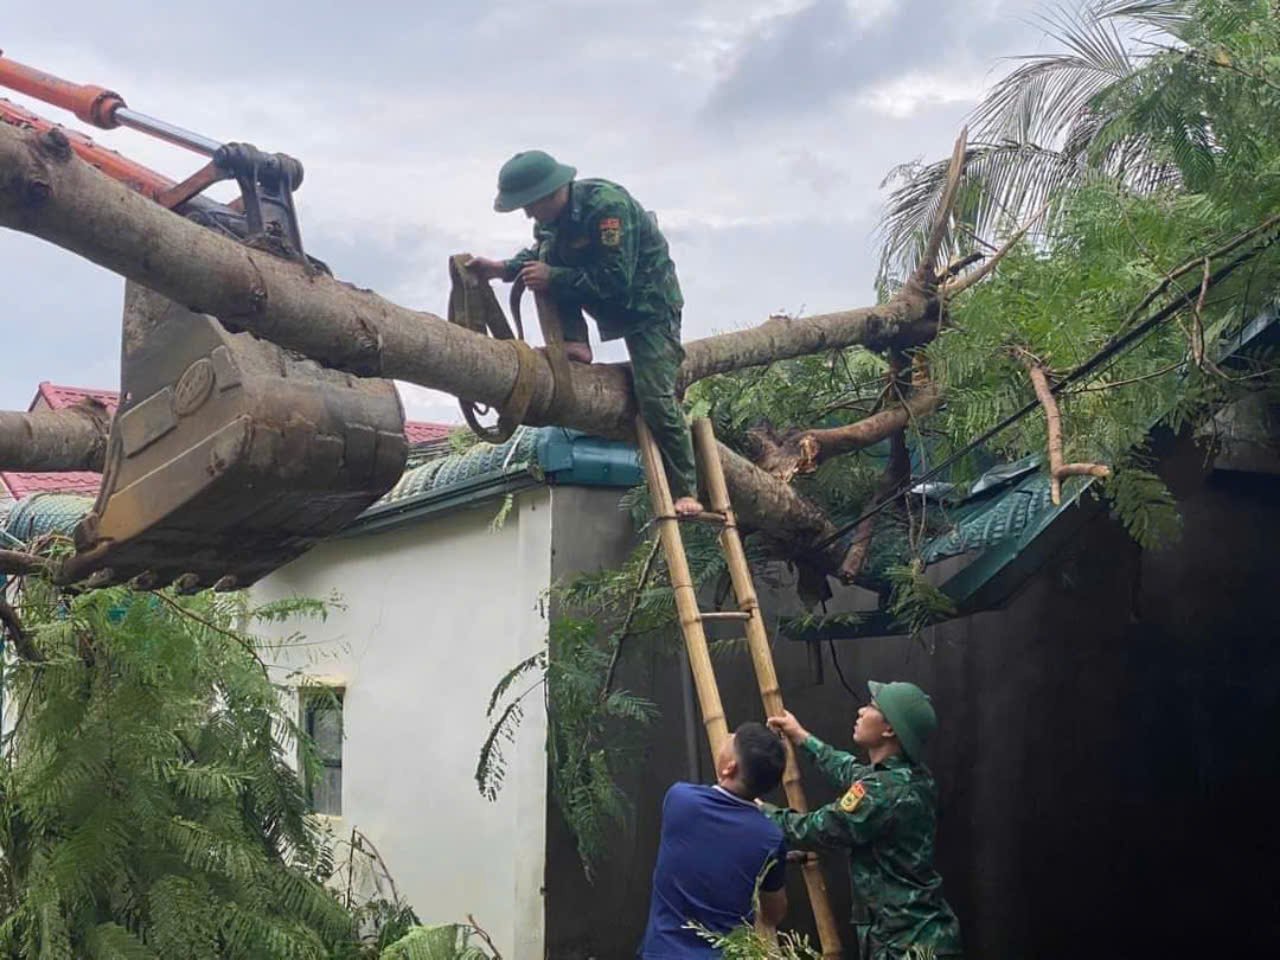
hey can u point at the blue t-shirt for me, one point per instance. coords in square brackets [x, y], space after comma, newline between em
[713, 847]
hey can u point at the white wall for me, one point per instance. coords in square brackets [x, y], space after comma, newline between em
[436, 613]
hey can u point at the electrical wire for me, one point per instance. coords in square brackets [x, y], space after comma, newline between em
[835, 660]
[1117, 343]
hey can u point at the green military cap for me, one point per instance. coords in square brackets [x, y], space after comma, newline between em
[529, 176]
[909, 712]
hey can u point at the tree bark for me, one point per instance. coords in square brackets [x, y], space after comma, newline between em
[19, 640]
[895, 472]
[71, 439]
[803, 451]
[1053, 420]
[19, 564]
[48, 192]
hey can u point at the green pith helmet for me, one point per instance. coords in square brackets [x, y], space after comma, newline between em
[528, 176]
[909, 712]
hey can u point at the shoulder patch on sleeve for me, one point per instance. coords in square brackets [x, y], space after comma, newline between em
[853, 796]
[610, 231]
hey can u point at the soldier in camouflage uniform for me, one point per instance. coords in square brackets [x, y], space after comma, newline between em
[596, 249]
[886, 819]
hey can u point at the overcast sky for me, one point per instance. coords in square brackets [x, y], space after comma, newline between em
[758, 130]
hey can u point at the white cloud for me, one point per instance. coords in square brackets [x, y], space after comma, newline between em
[906, 95]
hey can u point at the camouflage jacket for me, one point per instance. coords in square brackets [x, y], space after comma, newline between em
[607, 256]
[886, 819]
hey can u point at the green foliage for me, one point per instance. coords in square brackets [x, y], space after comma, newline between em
[589, 732]
[491, 768]
[800, 627]
[915, 602]
[147, 806]
[1150, 134]
[1146, 507]
[462, 439]
[504, 510]
[449, 941]
[744, 942]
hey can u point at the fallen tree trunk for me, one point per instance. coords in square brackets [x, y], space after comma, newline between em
[48, 192]
[71, 439]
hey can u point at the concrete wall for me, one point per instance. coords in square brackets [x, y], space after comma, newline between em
[1107, 757]
[436, 613]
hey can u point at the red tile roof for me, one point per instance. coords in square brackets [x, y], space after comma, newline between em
[58, 397]
[72, 481]
[417, 432]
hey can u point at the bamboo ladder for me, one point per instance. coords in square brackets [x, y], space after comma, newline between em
[692, 619]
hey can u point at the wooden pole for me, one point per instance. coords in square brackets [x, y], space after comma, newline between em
[695, 639]
[762, 657]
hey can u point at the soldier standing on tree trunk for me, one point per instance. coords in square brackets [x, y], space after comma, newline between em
[886, 820]
[596, 249]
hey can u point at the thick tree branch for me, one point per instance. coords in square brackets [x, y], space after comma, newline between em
[18, 564]
[18, 637]
[923, 278]
[74, 438]
[1053, 418]
[895, 473]
[965, 282]
[803, 451]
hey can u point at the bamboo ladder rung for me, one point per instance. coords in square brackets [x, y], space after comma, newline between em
[706, 516]
[691, 621]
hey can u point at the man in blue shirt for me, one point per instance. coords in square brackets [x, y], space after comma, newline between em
[715, 845]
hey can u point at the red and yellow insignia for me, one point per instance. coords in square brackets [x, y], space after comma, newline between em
[611, 231]
[849, 802]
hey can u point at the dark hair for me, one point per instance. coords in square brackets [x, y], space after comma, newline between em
[760, 757]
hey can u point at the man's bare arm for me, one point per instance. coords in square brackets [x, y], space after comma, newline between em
[773, 906]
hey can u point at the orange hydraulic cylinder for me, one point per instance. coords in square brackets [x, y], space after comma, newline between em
[92, 104]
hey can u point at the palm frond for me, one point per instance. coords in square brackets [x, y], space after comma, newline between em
[1055, 121]
[1170, 16]
[1004, 182]
[1041, 99]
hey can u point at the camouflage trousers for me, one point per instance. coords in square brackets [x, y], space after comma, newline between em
[656, 355]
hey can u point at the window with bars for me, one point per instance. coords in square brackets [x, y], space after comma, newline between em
[322, 721]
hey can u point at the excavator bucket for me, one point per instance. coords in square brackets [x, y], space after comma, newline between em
[228, 456]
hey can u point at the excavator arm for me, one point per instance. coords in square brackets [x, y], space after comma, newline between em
[267, 180]
[228, 456]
